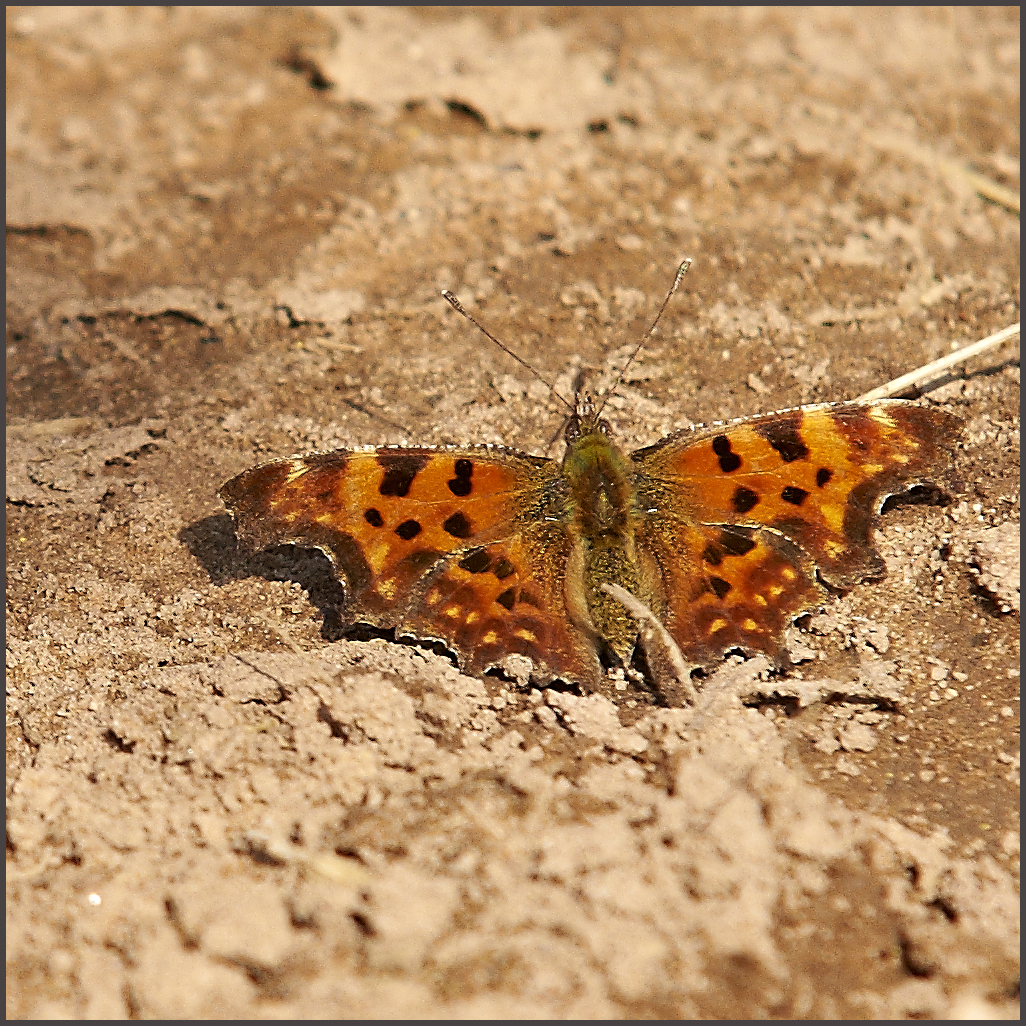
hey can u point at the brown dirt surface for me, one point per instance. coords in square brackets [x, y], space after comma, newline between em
[227, 231]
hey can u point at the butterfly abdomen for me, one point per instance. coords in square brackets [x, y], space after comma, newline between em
[598, 476]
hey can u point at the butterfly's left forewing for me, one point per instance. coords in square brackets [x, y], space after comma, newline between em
[468, 546]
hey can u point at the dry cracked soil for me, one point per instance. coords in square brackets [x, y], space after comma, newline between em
[227, 232]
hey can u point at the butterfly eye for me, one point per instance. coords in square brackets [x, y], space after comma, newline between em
[573, 430]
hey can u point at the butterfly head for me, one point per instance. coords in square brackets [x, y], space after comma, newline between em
[585, 420]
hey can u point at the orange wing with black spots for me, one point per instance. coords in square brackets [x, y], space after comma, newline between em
[742, 516]
[729, 587]
[468, 546]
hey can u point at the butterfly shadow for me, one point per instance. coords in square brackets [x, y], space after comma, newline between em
[917, 495]
[213, 542]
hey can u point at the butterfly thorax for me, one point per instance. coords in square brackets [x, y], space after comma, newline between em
[597, 473]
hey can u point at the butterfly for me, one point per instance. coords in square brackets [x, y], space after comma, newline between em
[726, 533]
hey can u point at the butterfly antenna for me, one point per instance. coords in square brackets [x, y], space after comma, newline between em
[681, 271]
[460, 309]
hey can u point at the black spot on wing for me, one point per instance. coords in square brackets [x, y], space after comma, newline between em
[736, 543]
[719, 586]
[461, 484]
[783, 434]
[408, 530]
[458, 526]
[374, 518]
[400, 469]
[729, 460]
[503, 569]
[823, 476]
[712, 555]
[744, 499]
[507, 599]
[475, 562]
[795, 496]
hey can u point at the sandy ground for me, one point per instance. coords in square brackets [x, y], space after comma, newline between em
[227, 233]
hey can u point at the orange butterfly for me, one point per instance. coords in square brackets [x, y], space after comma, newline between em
[724, 532]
